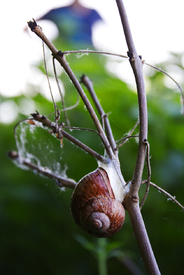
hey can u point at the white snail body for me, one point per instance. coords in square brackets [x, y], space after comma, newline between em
[95, 207]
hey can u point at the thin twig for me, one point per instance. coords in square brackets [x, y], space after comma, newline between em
[164, 192]
[80, 128]
[178, 85]
[125, 139]
[61, 181]
[124, 56]
[96, 52]
[61, 95]
[50, 89]
[89, 85]
[70, 107]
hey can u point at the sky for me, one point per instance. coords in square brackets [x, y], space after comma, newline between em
[157, 28]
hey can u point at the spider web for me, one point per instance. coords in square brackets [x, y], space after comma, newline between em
[40, 147]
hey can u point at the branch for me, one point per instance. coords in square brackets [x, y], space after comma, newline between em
[61, 181]
[89, 85]
[61, 59]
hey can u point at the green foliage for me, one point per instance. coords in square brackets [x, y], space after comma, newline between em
[37, 233]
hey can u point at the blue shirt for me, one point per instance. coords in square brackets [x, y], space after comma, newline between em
[74, 27]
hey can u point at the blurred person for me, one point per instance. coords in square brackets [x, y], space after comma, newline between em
[74, 23]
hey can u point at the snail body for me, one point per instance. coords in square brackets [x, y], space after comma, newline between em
[94, 206]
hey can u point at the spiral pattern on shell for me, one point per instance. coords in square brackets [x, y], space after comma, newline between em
[94, 207]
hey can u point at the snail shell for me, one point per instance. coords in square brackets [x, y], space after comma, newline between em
[94, 207]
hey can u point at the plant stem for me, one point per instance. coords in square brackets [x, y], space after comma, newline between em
[102, 256]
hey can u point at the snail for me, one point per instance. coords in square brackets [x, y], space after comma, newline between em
[96, 202]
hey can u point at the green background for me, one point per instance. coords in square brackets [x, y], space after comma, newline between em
[37, 233]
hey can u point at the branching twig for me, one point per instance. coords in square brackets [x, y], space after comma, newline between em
[125, 139]
[126, 57]
[61, 59]
[58, 129]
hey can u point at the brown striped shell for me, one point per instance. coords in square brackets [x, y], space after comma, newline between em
[94, 207]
